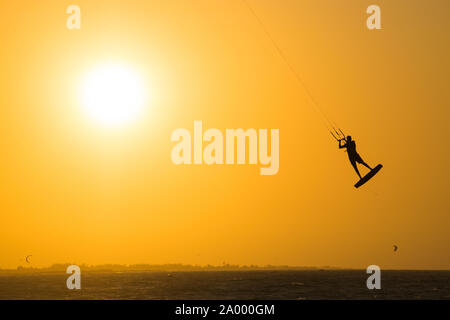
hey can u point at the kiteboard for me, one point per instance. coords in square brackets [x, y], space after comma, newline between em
[368, 176]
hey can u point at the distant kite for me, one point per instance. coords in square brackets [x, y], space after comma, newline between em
[395, 248]
[27, 259]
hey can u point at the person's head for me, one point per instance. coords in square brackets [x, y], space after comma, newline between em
[349, 138]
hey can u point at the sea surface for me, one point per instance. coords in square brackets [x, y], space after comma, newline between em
[291, 285]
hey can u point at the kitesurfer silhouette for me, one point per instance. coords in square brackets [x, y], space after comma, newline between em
[353, 156]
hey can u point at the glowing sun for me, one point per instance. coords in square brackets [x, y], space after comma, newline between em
[113, 94]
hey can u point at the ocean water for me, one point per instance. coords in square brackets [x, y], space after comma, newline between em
[291, 285]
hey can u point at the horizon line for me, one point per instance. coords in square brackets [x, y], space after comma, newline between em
[196, 267]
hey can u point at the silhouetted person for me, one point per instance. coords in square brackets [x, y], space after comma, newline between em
[353, 156]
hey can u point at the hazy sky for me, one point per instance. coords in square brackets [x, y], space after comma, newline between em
[73, 191]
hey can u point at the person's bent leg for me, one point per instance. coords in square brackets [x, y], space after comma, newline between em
[366, 165]
[356, 168]
[358, 159]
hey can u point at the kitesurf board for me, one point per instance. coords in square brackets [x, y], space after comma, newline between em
[368, 176]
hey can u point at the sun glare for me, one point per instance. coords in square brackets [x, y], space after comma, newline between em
[113, 94]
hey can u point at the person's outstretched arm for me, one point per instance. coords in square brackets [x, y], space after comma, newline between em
[342, 146]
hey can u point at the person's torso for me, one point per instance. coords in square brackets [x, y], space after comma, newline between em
[351, 147]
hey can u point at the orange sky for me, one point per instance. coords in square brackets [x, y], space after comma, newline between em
[72, 191]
